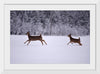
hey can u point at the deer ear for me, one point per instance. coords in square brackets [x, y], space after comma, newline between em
[28, 32]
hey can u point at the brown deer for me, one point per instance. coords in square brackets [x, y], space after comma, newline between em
[34, 38]
[73, 40]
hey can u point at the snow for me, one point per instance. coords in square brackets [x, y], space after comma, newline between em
[55, 52]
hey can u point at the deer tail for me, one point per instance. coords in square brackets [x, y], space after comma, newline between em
[79, 38]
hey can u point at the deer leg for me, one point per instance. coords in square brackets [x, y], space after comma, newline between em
[71, 42]
[26, 41]
[44, 42]
[80, 44]
[41, 42]
[68, 43]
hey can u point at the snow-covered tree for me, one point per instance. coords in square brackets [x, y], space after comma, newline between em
[49, 22]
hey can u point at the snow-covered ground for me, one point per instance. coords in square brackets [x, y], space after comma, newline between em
[55, 52]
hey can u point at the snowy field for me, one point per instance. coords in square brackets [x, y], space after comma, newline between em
[55, 52]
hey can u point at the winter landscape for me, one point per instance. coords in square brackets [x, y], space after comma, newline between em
[54, 26]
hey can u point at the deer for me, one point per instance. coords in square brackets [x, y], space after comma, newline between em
[34, 38]
[73, 40]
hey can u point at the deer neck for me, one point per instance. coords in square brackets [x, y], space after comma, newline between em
[28, 35]
[70, 38]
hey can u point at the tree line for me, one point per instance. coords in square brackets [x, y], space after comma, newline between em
[50, 22]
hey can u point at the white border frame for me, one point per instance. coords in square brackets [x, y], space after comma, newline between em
[66, 7]
[71, 72]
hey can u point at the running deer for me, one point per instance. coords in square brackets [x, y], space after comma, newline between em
[34, 38]
[73, 40]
